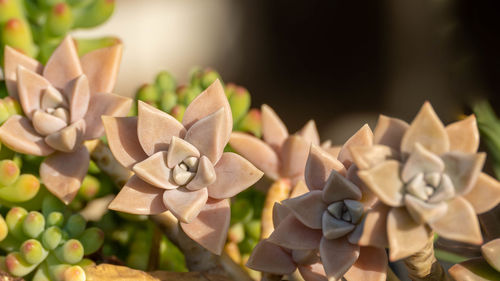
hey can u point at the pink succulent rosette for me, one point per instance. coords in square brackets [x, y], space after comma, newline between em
[428, 178]
[62, 102]
[313, 231]
[182, 168]
[279, 155]
[483, 268]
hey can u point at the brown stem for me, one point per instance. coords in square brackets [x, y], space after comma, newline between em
[391, 276]
[279, 190]
[198, 258]
[423, 266]
[271, 277]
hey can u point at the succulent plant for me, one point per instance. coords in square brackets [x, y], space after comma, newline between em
[62, 108]
[489, 127]
[179, 167]
[482, 268]
[279, 155]
[48, 246]
[428, 178]
[313, 230]
[35, 28]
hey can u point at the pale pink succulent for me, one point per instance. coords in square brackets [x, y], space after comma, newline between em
[182, 168]
[483, 268]
[279, 154]
[312, 231]
[62, 102]
[428, 177]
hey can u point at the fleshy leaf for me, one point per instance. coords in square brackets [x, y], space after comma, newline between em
[371, 265]
[233, 175]
[485, 194]
[31, 87]
[210, 227]
[389, 131]
[460, 223]
[67, 139]
[421, 160]
[185, 204]
[313, 272]
[368, 198]
[476, 269]
[101, 67]
[463, 169]
[372, 231]
[19, 135]
[206, 103]
[424, 212]
[280, 212]
[78, 95]
[384, 181]
[319, 167]
[139, 197]
[205, 175]
[274, 131]
[154, 171]
[46, 124]
[363, 137]
[104, 104]
[464, 135]
[179, 150]
[337, 188]
[270, 258]
[206, 136]
[307, 208]
[335, 228]
[257, 152]
[121, 133]
[63, 173]
[63, 65]
[293, 154]
[299, 189]
[366, 157]
[309, 132]
[428, 130]
[405, 236]
[292, 234]
[337, 256]
[13, 59]
[491, 252]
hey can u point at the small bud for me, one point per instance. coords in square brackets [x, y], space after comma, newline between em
[70, 252]
[74, 273]
[4, 230]
[230, 89]
[148, 94]
[240, 103]
[90, 187]
[75, 225]
[253, 228]
[165, 82]
[14, 220]
[4, 112]
[55, 219]
[168, 101]
[94, 14]
[52, 204]
[33, 224]
[209, 76]
[251, 123]
[51, 237]
[18, 266]
[9, 172]
[60, 19]
[33, 252]
[12, 106]
[24, 189]
[92, 239]
[16, 33]
[86, 45]
[178, 112]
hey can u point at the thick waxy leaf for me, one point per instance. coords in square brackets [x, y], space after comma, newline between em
[423, 212]
[428, 130]
[257, 152]
[185, 204]
[464, 135]
[307, 208]
[366, 157]
[335, 228]
[363, 137]
[179, 150]
[319, 167]
[18, 134]
[421, 160]
[210, 227]
[156, 128]
[13, 59]
[205, 174]
[121, 133]
[292, 234]
[309, 132]
[270, 258]
[274, 131]
[460, 223]
[313, 272]
[63, 173]
[372, 231]
[46, 124]
[63, 65]
[389, 131]
[337, 188]
[405, 236]
[371, 265]
[384, 181]
[491, 252]
[463, 169]
[154, 171]
[139, 197]
[67, 139]
[485, 194]
[31, 87]
[280, 212]
[233, 175]
[293, 155]
[101, 67]
[337, 256]
[78, 94]
[476, 269]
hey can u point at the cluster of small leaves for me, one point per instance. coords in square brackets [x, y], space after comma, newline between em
[36, 27]
[489, 127]
[172, 98]
[47, 245]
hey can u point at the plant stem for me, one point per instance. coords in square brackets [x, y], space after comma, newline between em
[279, 191]
[423, 266]
[391, 276]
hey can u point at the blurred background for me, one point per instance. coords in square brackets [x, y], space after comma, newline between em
[338, 62]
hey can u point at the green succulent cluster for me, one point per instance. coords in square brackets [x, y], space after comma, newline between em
[489, 127]
[36, 27]
[49, 245]
[172, 98]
